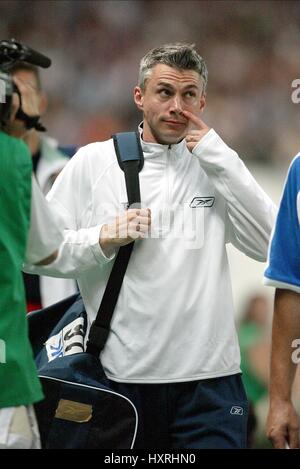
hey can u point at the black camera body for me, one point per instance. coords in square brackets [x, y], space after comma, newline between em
[12, 52]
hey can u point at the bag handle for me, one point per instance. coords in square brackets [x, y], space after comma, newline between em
[131, 160]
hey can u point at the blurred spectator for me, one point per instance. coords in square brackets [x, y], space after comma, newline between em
[254, 339]
[48, 160]
[255, 344]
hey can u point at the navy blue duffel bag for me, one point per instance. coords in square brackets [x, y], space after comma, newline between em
[80, 410]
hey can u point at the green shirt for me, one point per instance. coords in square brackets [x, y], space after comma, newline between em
[19, 384]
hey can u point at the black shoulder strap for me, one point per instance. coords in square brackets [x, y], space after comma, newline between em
[131, 160]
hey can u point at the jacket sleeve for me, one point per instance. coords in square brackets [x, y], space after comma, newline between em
[44, 236]
[69, 197]
[250, 213]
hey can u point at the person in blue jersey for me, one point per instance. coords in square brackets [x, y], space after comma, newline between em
[283, 273]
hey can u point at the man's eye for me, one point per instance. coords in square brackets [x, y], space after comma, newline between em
[165, 92]
[190, 94]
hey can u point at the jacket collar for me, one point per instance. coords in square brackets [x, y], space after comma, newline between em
[153, 150]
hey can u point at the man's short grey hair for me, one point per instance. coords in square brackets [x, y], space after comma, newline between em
[177, 55]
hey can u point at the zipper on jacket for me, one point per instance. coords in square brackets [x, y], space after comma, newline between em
[169, 177]
[166, 213]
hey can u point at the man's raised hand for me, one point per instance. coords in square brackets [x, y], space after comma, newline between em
[197, 130]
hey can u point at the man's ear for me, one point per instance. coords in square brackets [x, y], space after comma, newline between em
[138, 97]
[202, 103]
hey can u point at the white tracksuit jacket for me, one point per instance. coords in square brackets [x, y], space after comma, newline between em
[174, 318]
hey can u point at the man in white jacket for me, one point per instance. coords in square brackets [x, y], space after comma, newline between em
[173, 347]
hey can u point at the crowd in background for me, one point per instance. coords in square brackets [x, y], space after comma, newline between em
[251, 49]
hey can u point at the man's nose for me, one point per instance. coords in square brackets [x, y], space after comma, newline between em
[176, 104]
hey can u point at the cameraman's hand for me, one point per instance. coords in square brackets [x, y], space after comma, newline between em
[30, 106]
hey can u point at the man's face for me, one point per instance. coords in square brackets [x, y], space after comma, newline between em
[30, 79]
[169, 91]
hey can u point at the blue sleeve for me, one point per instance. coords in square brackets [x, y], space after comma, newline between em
[283, 268]
[68, 150]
